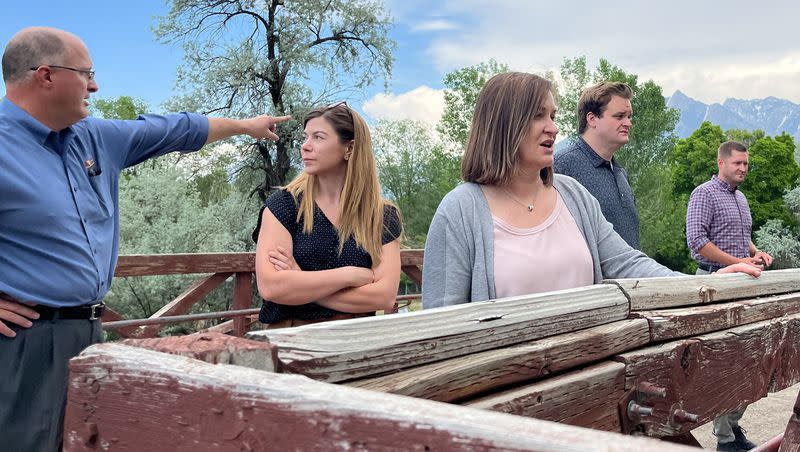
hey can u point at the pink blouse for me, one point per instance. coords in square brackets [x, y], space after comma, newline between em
[551, 256]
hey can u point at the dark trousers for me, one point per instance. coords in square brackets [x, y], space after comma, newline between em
[33, 381]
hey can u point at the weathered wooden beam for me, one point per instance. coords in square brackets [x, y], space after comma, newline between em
[180, 264]
[791, 437]
[242, 299]
[351, 349]
[214, 348]
[654, 293]
[712, 374]
[667, 324]
[412, 257]
[185, 301]
[126, 398]
[466, 376]
[586, 398]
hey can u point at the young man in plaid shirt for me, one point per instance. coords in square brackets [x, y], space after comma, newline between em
[718, 231]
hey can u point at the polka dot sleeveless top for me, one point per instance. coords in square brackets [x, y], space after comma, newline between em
[318, 251]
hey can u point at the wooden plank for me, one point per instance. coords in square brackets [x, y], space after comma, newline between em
[791, 437]
[456, 379]
[125, 398]
[585, 398]
[712, 374]
[654, 293]
[666, 324]
[412, 257]
[214, 348]
[180, 264]
[242, 299]
[185, 301]
[351, 349]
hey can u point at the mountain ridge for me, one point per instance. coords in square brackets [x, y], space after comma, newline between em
[773, 115]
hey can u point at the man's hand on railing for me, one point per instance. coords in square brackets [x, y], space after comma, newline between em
[741, 267]
[12, 311]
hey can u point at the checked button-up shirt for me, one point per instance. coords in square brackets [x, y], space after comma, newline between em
[718, 213]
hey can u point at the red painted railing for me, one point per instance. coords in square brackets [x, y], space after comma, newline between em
[216, 268]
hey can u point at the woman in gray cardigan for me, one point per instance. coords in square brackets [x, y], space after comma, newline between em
[514, 227]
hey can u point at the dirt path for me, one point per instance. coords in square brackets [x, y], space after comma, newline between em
[763, 420]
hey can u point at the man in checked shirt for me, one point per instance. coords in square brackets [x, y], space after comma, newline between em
[718, 229]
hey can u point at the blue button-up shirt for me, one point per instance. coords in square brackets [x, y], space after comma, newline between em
[59, 209]
[606, 181]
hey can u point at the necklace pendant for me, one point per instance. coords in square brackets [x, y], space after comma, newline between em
[530, 207]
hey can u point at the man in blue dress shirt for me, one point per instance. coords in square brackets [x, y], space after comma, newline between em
[59, 218]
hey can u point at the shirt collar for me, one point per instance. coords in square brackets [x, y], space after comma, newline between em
[722, 185]
[28, 123]
[592, 155]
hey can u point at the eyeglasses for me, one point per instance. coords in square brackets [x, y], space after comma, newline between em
[89, 73]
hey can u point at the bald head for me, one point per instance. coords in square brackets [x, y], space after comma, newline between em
[32, 47]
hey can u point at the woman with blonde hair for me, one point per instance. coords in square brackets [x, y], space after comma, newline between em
[329, 244]
[514, 227]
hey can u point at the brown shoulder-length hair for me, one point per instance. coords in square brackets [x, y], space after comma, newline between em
[361, 206]
[503, 115]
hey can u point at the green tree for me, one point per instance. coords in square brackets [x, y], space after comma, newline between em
[244, 58]
[460, 96]
[123, 107]
[694, 159]
[161, 212]
[415, 173]
[773, 171]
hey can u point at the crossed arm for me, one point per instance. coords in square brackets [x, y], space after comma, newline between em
[346, 289]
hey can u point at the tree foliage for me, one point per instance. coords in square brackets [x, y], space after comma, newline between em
[416, 172]
[462, 87]
[122, 107]
[162, 212]
[245, 57]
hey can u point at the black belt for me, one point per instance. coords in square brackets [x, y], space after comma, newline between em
[86, 312]
[708, 267]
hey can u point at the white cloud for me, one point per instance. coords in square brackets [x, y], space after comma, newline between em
[435, 25]
[421, 104]
[699, 47]
[746, 78]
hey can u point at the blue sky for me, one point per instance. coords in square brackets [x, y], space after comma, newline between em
[710, 50]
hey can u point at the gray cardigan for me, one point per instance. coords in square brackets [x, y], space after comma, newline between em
[459, 252]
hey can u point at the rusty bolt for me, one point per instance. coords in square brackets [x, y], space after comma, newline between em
[681, 416]
[647, 389]
[635, 410]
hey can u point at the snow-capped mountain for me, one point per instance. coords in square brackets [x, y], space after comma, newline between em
[772, 115]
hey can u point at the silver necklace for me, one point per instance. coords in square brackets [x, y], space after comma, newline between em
[513, 198]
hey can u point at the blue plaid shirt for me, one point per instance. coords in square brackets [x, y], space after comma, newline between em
[59, 212]
[718, 213]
